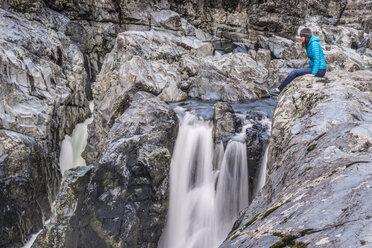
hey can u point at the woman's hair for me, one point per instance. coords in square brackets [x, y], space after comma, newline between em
[305, 32]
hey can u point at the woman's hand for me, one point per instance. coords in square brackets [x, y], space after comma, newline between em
[309, 75]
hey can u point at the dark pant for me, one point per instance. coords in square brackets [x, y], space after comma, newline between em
[300, 72]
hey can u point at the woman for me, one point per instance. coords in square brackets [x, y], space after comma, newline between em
[317, 62]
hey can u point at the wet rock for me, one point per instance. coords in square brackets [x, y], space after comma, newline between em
[225, 122]
[319, 161]
[257, 140]
[121, 202]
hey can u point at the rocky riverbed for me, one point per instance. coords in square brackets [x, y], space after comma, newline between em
[131, 58]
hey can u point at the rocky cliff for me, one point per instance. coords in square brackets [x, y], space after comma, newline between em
[122, 200]
[318, 189]
[131, 57]
[42, 81]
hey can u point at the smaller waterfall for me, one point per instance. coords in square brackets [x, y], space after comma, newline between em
[232, 189]
[31, 241]
[73, 146]
[262, 175]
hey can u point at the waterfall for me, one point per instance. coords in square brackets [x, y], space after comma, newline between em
[204, 199]
[31, 241]
[262, 175]
[232, 188]
[73, 146]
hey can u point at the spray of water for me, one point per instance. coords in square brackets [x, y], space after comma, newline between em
[73, 146]
[204, 199]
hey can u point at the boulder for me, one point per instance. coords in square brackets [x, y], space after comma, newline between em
[317, 191]
[225, 122]
[257, 139]
[231, 78]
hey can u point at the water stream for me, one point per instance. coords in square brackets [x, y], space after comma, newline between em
[262, 175]
[208, 186]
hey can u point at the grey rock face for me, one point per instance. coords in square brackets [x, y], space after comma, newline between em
[225, 123]
[42, 97]
[121, 202]
[172, 68]
[230, 78]
[23, 190]
[318, 186]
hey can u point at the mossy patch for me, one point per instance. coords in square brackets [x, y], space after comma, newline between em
[289, 147]
[287, 240]
[311, 147]
[308, 232]
[268, 212]
[357, 162]
[299, 245]
[22, 7]
[251, 221]
[234, 237]
[317, 138]
[66, 3]
[333, 172]
[279, 244]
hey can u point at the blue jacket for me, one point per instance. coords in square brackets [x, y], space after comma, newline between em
[315, 53]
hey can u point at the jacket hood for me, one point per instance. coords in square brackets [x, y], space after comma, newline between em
[313, 38]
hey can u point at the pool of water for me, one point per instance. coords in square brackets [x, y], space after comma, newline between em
[205, 109]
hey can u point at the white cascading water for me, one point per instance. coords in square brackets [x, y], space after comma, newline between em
[232, 187]
[70, 155]
[262, 175]
[73, 146]
[31, 241]
[204, 202]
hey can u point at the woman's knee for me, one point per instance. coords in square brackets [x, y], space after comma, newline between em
[294, 73]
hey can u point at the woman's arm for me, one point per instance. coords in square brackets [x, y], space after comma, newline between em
[316, 50]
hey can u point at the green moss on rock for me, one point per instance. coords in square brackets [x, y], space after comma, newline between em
[357, 162]
[317, 138]
[278, 244]
[251, 221]
[268, 212]
[288, 240]
[22, 7]
[234, 237]
[311, 147]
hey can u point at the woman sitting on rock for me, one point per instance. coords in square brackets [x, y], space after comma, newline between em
[317, 62]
